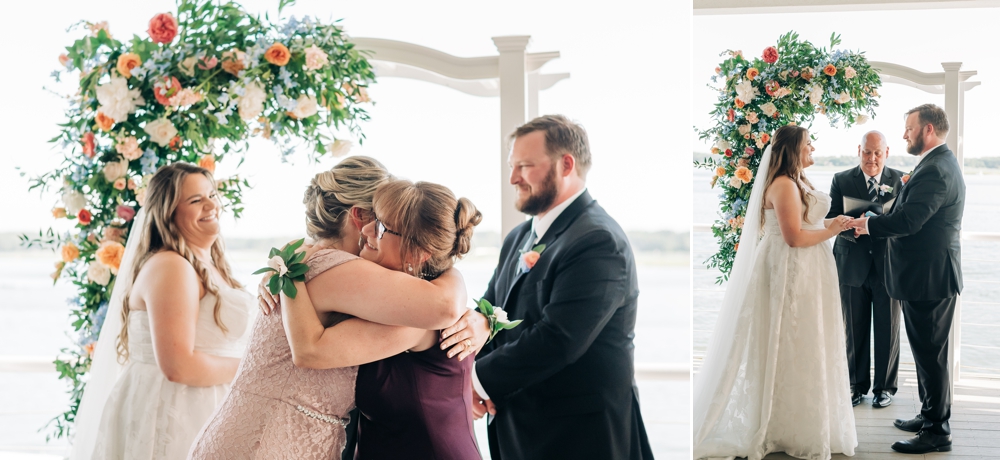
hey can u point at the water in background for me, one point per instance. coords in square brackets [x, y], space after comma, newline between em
[34, 322]
[980, 315]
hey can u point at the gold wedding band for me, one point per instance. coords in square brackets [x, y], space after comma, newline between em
[260, 298]
[468, 343]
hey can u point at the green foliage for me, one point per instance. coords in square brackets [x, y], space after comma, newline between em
[231, 90]
[756, 97]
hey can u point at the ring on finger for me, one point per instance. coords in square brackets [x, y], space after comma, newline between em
[468, 343]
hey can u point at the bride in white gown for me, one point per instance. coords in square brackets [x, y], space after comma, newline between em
[185, 325]
[775, 376]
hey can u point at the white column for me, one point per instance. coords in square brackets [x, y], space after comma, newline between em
[513, 113]
[534, 85]
[953, 107]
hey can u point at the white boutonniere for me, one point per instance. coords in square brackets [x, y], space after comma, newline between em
[884, 188]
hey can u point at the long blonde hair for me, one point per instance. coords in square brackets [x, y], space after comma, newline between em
[786, 160]
[431, 219]
[161, 234]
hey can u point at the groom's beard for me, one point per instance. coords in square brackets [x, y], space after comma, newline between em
[540, 201]
[917, 147]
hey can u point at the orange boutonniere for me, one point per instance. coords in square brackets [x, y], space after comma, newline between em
[530, 258]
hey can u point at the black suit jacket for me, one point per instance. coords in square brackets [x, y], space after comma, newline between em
[854, 259]
[563, 381]
[924, 252]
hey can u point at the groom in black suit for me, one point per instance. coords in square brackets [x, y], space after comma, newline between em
[561, 385]
[924, 269]
[860, 265]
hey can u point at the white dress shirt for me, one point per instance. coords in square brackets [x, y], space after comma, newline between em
[539, 225]
[919, 159]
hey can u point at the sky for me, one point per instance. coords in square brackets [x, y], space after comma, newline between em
[630, 74]
[954, 35]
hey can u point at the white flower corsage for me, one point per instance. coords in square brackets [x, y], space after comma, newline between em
[884, 188]
[287, 268]
[496, 316]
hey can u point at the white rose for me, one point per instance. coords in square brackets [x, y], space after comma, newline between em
[843, 98]
[744, 129]
[339, 148]
[316, 58]
[501, 315]
[160, 131]
[251, 103]
[746, 92]
[305, 106]
[735, 182]
[74, 202]
[117, 101]
[278, 264]
[861, 119]
[816, 94]
[115, 170]
[187, 66]
[98, 273]
[769, 109]
[723, 145]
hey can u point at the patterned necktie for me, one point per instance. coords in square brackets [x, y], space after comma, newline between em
[872, 190]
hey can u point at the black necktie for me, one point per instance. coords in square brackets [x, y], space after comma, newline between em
[872, 190]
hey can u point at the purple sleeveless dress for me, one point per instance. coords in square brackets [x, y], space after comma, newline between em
[416, 405]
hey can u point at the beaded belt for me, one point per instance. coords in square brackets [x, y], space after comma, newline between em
[324, 418]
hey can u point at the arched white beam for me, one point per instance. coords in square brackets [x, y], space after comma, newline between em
[513, 75]
[439, 62]
[916, 78]
[489, 87]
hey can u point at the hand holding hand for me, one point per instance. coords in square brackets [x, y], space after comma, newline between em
[860, 226]
[842, 223]
[466, 336]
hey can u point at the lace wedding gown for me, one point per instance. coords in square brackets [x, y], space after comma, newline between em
[148, 417]
[788, 391]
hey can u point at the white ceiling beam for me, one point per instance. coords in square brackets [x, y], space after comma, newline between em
[720, 7]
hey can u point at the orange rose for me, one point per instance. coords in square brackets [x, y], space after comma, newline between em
[207, 162]
[737, 247]
[740, 103]
[278, 54]
[530, 258]
[744, 174]
[59, 213]
[752, 73]
[830, 70]
[120, 183]
[720, 171]
[127, 62]
[110, 255]
[70, 252]
[232, 61]
[764, 137]
[89, 348]
[715, 150]
[104, 122]
[175, 143]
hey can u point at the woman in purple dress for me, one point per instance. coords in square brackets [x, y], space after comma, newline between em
[417, 403]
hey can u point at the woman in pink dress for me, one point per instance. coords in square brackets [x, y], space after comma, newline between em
[276, 409]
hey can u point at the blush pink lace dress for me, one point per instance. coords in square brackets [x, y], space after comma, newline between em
[274, 409]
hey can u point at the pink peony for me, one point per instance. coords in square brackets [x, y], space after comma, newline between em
[163, 28]
[125, 212]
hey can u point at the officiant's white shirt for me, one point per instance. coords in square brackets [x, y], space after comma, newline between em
[919, 159]
[539, 225]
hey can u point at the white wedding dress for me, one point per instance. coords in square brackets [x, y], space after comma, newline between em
[148, 417]
[776, 380]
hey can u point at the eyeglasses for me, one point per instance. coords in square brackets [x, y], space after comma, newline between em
[380, 229]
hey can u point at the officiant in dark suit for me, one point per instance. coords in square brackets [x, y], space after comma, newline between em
[860, 265]
[924, 269]
[561, 384]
